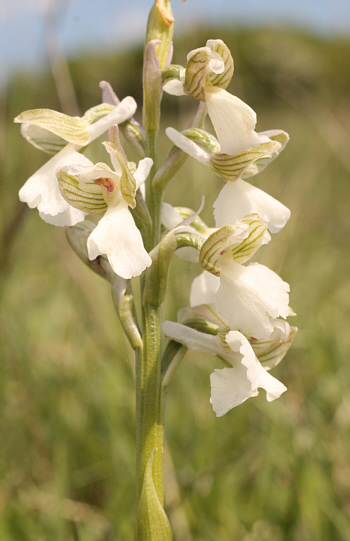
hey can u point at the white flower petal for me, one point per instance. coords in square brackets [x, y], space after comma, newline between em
[256, 374]
[68, 217]
[117, 237]
[216, 63]
[42, 191]
[248, 296]
[142, 171]
[174, 87]
[204, 289]
[232, 386]
[188, 146]
[233, 120]
[123, 111]
[170, 217]
[193, 339]
[238, 199]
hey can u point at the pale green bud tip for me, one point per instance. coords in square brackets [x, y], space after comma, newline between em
[161, 27]
[152, 87]
[164, 9]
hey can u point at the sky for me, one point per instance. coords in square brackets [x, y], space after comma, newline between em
[103, 24]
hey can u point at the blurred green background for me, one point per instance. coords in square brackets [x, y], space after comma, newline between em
[263, 472]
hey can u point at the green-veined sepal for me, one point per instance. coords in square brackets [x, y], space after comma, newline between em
[212, 64]
[196, 72]
[202, 138]
[240, 239]
[97, 112]
[270, 351]
[88, 199]
[71, 129]
[257, 236]
[221, 79]
[246, 164]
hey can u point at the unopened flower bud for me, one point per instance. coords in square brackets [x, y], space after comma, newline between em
[160, 27]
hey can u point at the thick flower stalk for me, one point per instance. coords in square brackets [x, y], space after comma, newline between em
[122, 229]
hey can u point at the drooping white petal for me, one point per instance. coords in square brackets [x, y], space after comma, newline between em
[249, 296]
[188, 146]
[238, 199]
[204, 289]
[123, 111]
[232, 386]
[117, 237]
[233, 120]
[41, 189]
[142, 171]
[193, 339]
[257, 375]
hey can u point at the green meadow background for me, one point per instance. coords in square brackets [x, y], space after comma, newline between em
[275, 471]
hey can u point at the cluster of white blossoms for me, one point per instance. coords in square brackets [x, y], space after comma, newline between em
[235, 308]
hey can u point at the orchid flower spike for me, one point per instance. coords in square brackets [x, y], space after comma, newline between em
[106, 192]
[206, 77]
[64, 136]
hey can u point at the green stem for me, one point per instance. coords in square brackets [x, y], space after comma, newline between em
[154, 196]
[149, 415]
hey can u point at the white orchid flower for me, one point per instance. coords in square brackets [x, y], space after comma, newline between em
[243, 374]
[247, 297]
[51, 131]
[208, 72]
[98, 189]
[238, 198]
